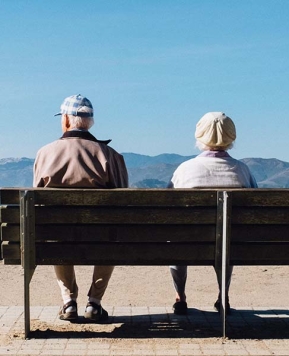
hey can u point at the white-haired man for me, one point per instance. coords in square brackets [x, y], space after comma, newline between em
[79, 160]
[214, 167]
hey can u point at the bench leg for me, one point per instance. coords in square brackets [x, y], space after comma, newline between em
[27, 243]
[222, 251]
[222, 296]
[27, 278]
[225, 256]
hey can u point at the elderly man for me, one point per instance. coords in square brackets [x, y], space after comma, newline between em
[214, 167]
[79, 160]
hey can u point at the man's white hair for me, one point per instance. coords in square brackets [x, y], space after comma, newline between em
[78, 122]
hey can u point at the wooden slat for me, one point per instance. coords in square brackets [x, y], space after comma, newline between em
[9, 195]
[116, 197]
[11, 262]
[10, 232]
[10, 214]
[126, 254]
[267, 232]
[126, 233]
[241, 197]
[94, 215]
[265, 215]
[260, 197]
[125, 215]
[10, 251]
[130, 197]
[260, 254]
[118, 254]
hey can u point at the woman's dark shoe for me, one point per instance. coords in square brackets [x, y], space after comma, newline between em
[180, 308]
[217, 306]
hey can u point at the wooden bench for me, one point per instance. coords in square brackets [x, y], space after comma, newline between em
[197, 227]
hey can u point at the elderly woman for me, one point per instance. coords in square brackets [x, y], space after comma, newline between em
[213, 168]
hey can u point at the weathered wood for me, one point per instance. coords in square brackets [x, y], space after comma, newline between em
[113, 215]
[9, 196]
[267, 232]
[10, 232]
[124, 233]
[114, 197]
[127, 233]
[10, 214]
[256, 215]
[260, 254]
[11, 251]
[124, 215]
[247, 197]
[127, 253]
[118, 253]
[12, 262]
[261, 197]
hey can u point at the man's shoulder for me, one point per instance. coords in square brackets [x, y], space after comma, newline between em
[49, 145]
[109, 149]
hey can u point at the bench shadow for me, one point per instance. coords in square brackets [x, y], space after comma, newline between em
[258, 324]
[241, 324]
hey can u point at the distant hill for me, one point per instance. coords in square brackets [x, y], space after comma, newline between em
[151, 171]
[16, 172]
[134, 160]
[269, 173]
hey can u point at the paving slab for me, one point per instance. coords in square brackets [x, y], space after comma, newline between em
[146, 331]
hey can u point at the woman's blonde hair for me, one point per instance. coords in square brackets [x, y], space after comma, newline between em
[202, 147]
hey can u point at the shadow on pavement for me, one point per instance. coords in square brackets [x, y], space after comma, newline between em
[241, 324]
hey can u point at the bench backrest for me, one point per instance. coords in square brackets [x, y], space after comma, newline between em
[146, 226]
[259, 222]
[120, 226]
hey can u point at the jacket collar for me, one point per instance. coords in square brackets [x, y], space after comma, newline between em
[84, 135]
[219, 154]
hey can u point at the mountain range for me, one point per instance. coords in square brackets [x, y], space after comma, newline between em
[151, 171]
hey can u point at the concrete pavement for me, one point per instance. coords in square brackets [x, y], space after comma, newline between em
[146, 331]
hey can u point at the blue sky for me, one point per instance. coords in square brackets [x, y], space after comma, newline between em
[151, 68]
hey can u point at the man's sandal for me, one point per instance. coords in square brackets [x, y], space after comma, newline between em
[71, 314]
[95, 312]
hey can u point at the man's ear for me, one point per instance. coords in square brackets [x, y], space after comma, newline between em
[65, 124]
